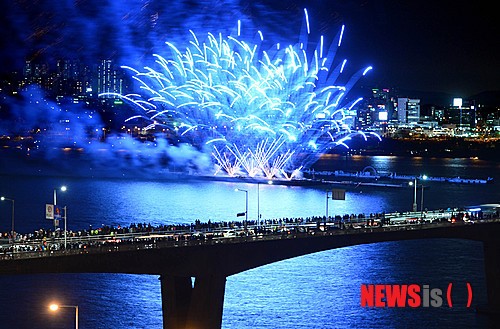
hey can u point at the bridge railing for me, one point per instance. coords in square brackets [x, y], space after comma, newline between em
[155, 240]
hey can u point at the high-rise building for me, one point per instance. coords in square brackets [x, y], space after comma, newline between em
[437, 114]
[68, 80]
[380, 96]
[36, 73]
[408, 110]
[383, 107]
[109, 79]
[462, 113]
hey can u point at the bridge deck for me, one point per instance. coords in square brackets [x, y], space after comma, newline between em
[211, 260]
[290, 241]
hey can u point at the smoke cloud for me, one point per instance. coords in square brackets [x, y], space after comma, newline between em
[72, 138]
[127, 32]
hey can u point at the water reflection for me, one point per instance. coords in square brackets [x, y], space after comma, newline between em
[319, 290]
[322, 290]
[117, 202]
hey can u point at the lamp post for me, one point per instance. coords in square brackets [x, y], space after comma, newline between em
[246, 205]
[65, 228]
[12, 232]
[424, 177]
[326, 213]
[269, 182]
[414, 183]
[63, 189]
[55, 307]
[258, 203]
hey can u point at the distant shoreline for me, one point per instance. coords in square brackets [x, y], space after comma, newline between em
[82, 165]
[449, 148]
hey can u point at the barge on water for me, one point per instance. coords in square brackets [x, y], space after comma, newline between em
[372, 174]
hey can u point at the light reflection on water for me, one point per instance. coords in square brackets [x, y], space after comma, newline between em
[313, 291]
[322, 290]
[117, 202]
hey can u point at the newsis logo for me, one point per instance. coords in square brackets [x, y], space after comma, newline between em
[408, 295]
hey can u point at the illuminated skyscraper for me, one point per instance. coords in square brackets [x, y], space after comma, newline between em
[383, 104]
[109, 79]
[36, 73]
[462, 113]
[408, 110]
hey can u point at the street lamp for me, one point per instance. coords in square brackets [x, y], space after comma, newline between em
[11, 200]
[65, 228]
[424, 177]
[269, 182]
[246, 205]
[414, 184]
[62, 189]
[327, 197]
[55, 307]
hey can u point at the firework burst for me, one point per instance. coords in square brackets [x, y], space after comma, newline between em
[260, 112]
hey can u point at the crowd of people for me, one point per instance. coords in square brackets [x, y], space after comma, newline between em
[197, 225]
[52, 240]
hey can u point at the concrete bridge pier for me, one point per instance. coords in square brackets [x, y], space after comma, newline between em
[492, 273]
[197, 306]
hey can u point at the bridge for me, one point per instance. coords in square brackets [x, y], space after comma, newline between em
[211, 259]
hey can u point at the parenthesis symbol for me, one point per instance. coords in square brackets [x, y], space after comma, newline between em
[469, 294]
[448, 295]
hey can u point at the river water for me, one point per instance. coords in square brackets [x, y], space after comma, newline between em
[320, 290]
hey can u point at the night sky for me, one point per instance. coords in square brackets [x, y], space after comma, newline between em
[440, 46]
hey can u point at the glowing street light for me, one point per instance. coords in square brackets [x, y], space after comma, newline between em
[424, 177]
[246, 205]
[65, 228]
[56, 307]
[414, 184]
[269, 182]
[62, 189]
[326, 210]
[11, 200]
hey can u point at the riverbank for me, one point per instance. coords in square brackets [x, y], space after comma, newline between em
[448, 148]
[139, 166]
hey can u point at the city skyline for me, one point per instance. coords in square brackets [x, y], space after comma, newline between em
[259, 92]
[99, 88]
[115, 207]
[425, 47]
[67, 76]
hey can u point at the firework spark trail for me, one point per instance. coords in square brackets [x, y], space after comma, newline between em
[228, 92]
